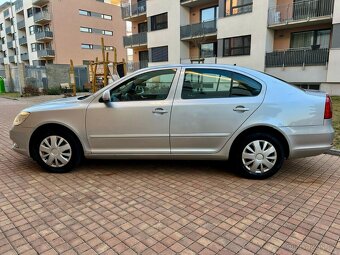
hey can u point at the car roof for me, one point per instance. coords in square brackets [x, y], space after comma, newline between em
[222, 66]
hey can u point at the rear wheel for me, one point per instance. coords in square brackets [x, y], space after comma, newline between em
[259, 156]
[57, 151]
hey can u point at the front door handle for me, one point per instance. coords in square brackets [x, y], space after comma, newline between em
[241, 108]
[159, 111]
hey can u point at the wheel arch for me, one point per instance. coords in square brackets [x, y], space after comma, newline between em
[262, 129]
[52, 126]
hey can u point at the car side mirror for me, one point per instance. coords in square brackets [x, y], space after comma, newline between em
[106, 97]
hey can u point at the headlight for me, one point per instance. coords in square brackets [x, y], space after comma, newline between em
[20, 118]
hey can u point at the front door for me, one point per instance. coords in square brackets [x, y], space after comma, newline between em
[136, 121]
[209, 106]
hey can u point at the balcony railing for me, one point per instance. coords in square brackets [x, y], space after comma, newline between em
[199, 29]
[46, 53]
[133, 10]
[297, 57]
[45, 35]
[135, 40]
[19, 5]
[10, 44]
[2, 61]
[21, 24]
[11, 59]
[9, 30]
[134, 66]
[42, 17]
[300, 11]
[0, 46]
[24, 57]
[40, 2]
[22, 40]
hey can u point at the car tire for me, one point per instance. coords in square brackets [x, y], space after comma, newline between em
[57, 151]
[258, 156]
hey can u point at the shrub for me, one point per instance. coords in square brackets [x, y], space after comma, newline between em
[53, 91]
[30, 90]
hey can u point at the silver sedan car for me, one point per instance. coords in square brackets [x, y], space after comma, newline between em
[192, 112]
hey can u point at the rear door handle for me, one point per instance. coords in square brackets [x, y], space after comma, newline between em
[241, 108]
[159, 111]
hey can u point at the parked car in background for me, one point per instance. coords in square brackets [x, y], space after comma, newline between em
[192, 112]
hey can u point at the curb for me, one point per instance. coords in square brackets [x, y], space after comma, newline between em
[333, 152]
[9, 98]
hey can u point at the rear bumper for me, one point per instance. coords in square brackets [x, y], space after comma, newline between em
[309, 140]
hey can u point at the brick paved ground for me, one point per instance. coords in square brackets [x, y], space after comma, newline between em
[152, 207]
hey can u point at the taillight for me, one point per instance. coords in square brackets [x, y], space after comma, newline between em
[328, 108]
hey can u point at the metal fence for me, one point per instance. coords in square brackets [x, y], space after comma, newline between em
[36, 76]
[304, 10]
[297, 57]
[199, 29]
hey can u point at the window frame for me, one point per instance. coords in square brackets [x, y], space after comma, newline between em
[232, 74]
[235, 48]
[231, 8]
[167, 55]
[154, 24]
[314, 38]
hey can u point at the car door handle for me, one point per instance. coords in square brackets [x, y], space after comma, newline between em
[241, 108]
[159, 111]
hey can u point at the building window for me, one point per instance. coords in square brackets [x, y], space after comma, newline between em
[108, 17]
[29, 12]
[159, 22]
[86, 46]
[84, 13]
[107, 32]
[1, 26]
[109, 48]
[34, 47]
[208, 50]
[317, 39]
[208, 14]
[238, 7]
[159, 54]
[237, 46]
[86, 29]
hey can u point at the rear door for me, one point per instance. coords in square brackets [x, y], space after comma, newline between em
[209, 106]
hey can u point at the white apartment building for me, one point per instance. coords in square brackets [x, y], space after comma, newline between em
[36, 32]
[295, 40]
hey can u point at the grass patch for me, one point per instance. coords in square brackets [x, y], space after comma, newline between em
[10, 94]
[336, 121]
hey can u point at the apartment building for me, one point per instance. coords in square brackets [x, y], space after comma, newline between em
[36, 32]
[295, 40]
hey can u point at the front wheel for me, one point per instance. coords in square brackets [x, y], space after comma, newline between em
[259, 156]
[56, 151]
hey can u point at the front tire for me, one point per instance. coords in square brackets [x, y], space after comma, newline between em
[57, 151]
[259, 156]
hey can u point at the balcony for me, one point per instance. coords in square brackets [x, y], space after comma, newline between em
[42, 17]
[40, 2]
[135, 40]
[298, 14]
[19, 5]
[2, 61]
[134, 66]
[0, 46]
[11, 59]
[10, 44]
[6, 14]
[193, 3]
[131, 12]
[204, 29]
[47, 53]
[9, 30]
[22, 41]
[297, 57]
[24, 57]
[44, 36]
[21, 25]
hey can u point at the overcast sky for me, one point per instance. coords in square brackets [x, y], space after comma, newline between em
[2, 1]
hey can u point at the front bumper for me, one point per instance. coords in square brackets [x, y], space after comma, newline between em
[20, 137]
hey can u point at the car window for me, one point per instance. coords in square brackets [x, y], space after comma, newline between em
[206, 83]
[215, 83]
[154, 85]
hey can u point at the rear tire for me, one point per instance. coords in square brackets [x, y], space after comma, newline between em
[258, 156]
[57, 151]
